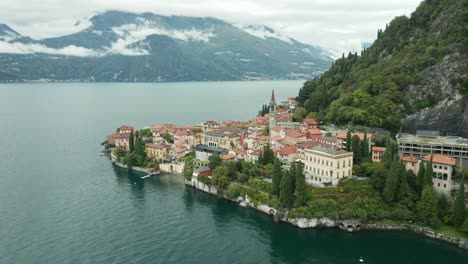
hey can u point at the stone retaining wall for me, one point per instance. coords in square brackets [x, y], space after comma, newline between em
[348, 225]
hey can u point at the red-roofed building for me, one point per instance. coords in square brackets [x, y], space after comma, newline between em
[287, 153]
[377, 153]
[125, 129]
[293, 136]
[158, 152]
[313, 134]
[411, 163]
[442, 167]
[228, 156]
[111, 138]
[308, 123]
[122, 141]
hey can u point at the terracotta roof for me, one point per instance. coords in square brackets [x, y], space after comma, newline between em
[309, 121]
[409, 159]
[277, 128]
[270, 138]
[314, 131]
[156, 146]
[126, 127]
[228, 156]
[342, 135]
[288, 150]
[307, 144]
[442, 159]
[114, 134]
[123, 136]
[382, 149]
[294, 133]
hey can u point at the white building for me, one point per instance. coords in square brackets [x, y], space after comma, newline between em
[324, 166]
[442, 167]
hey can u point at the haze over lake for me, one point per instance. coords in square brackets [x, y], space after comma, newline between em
[62, 203]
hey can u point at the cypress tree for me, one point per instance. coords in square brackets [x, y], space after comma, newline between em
[426, 208]
[405, 192]
[139, 147]
[277, 175]
[356, 148]
[421, 173]
[301, 191]
[428, 174]
[459, 213]
[293, 174]
[286, 190]
[365, 146]
[391, 183]
[348, 141]
[131, 142]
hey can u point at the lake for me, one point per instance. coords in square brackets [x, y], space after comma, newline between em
[62, 203]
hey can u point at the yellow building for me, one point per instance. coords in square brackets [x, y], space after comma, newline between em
[223, 138]
[377, 153]
[156, 151]
[326, 166]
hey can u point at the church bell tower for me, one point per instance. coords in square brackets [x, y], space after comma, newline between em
[272, 114]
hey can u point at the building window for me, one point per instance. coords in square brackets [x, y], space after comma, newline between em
[438, 184]
[445, 185]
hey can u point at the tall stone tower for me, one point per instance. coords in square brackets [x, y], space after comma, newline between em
[272, 111]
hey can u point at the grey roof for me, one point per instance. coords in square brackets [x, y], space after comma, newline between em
[331, 151]
[210, 149]
[427, 133]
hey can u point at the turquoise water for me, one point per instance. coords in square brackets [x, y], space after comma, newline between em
[62, 203]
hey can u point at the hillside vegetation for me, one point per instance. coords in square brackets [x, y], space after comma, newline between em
[416, 69]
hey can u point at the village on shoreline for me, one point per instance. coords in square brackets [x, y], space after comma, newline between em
[310, 174]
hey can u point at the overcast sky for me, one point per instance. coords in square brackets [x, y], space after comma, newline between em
[341, 25]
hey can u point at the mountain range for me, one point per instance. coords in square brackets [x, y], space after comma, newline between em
[123, 46]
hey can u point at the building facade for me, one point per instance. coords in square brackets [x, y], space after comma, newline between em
[377, 153]
[158, 152]
[442, 167]
[326, 166]
[423, 144]
[226, 138]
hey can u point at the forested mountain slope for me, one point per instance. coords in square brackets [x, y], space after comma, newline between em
[414, 76]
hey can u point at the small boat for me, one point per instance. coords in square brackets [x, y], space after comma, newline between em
[102, 154]
[361, 260]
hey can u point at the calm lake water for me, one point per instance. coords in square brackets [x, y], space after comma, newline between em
[62, 203]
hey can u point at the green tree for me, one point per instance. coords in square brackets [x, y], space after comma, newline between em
[188, 169]
[139, 147]
[299, 114]
[131, 142]
[428, 175]
[301, 191]
[167, 136]
[459, 213]
[277, 175]
[286, 190]
[365, 146]
[421, 173]
[348, 141]
[356, 148]
[391, 183]
[426, 207]
[405, 193]
[268, 156]
[220, 176]
[214, 160]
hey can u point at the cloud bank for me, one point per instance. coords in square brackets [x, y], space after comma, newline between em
[337, 24]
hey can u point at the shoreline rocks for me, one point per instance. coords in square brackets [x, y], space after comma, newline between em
[346, 225]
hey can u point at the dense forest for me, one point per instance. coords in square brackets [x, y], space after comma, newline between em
[386, 82]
